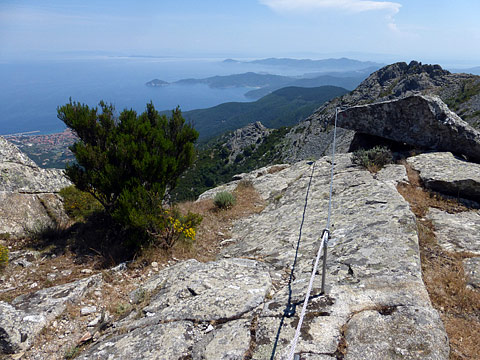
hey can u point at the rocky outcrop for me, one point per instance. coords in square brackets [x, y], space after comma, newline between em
[185, 300]
[457, 232]
[28, 199]
[376, 303]
[313, 137]
[442, 172]
[27, 315]
[418, 120]
[248, 136]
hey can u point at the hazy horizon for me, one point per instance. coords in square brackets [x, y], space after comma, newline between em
[429, 31]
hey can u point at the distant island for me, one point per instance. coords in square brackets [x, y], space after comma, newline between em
[342, 72]
[156, 82]
[264, 84]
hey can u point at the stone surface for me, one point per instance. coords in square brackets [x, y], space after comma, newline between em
[184, 299]
[159, 341]
[269, 181]
[472, 271]
[442, 172]
[28, 314]
[28, 199]
[379, 335]
[456, 232]
[230, 341]
[418, 120]
[374, 263]
[21, 214]
[20, 174]
[204, 292]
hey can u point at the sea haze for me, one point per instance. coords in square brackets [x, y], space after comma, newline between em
[32, 90]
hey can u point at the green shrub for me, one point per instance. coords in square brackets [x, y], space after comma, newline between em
[127, 162]
[79, 204]
[3, 257]
[373, 159]
[224, 200]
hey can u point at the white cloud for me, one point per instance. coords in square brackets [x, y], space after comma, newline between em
[347, 5]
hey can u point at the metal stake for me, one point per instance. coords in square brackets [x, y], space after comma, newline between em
[324, 270]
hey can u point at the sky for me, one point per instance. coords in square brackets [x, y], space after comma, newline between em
[426, 30]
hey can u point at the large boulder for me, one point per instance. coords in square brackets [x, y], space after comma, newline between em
[418, 120]
[457, 232]
[447, 174]
[28, 194]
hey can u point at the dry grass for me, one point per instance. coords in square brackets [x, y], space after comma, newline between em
[276, 168]
[443, 273]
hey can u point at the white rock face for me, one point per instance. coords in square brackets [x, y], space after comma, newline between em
[28, 199]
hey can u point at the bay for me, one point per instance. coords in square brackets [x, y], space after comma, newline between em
[31, 90]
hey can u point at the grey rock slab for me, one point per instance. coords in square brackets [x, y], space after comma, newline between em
[456, 232]
[28, 199]
[392, 173]
[160, 341]
[267, 184]
[28, 179]
[21, 214]
[229, 341]
[472, 271]
[28, 314]
[443, 172]
[419, 120]
[20, 174]
[319, 335]
[373, 261]
[225, 289]
[406, 333]
[9, 153]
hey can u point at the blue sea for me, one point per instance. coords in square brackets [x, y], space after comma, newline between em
[31, 90]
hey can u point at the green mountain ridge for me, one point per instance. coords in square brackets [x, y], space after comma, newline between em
[263, 84]
[284, 107]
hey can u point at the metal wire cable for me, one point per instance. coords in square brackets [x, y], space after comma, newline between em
[324, 243]
[290, 307]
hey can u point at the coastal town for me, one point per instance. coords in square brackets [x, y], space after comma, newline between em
[48, 151]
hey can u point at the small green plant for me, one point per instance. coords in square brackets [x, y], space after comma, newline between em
[123, 309]
[79, 204]
[72, 352]
[3, 257]
[224, 200]
[373, 159]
